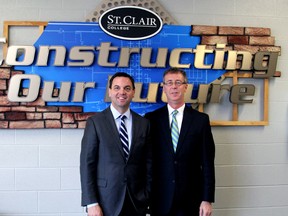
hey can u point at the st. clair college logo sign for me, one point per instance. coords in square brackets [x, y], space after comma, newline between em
[71, 62]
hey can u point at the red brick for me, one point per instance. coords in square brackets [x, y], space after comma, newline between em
[5, 102]
[52, 124]
[226, 30]
[203, 30]
[70, 109]
[83, 116]
[82, 124]
[15, 116]
[68, 118]
[257, 31]
[5, 73]
[67, 126]
[212, 40]
[254, 40]
[23, 109]
[238, 40]
[5, 109]
[26, 124]
[52, 115]
[34, 116]
[47, 109]
[4, 124]
[3, 85]
[38, 102]
[2, 116]
[251, 49]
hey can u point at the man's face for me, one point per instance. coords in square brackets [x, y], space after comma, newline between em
[121, 93]
[174, 88]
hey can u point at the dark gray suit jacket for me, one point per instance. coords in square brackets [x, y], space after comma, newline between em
[105, 174]
[186, 176]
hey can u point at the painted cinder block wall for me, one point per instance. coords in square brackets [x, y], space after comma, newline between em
[39, 168]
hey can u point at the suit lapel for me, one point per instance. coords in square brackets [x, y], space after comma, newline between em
[110, 124]
[134, 132]
[166, 130]
[186, 122]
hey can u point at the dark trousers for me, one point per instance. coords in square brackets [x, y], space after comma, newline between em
[129, 209]
[180, 209]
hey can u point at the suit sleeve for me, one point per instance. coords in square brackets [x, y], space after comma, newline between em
[88, 164]
[208, 156]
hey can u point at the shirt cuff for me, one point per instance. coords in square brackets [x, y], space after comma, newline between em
[92, 204]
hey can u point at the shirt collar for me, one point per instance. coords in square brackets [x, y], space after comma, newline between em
[116, 114]
[180, 109]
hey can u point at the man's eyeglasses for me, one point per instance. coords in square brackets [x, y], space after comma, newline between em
[177, 83]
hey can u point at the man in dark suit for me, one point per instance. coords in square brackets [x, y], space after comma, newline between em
[116, 179]
[183, 176]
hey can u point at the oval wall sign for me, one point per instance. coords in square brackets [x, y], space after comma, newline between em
[130, 23]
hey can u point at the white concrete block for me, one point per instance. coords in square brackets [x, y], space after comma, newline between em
[7, 137]
[18, 156]
[71, 137]
[59, 156]
[251, 175]
[251, 197]
[251, 154]
[62, 201]
[70, 179]
[18, 202]
[7, 180]
[267, 211]
[42, 137]
[37, 179]
[76, 214]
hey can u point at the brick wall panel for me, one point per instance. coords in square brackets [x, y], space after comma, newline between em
[20, 115]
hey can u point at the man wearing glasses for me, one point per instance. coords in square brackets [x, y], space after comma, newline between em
[183, 154]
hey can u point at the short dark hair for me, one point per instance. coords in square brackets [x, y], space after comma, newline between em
[175, 70]
[121, 74]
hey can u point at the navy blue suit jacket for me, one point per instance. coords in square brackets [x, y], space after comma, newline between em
[186, 175]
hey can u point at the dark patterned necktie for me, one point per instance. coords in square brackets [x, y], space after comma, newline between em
[124, 136]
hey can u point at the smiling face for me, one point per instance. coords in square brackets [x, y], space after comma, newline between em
[121, 93]
[175, 87]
